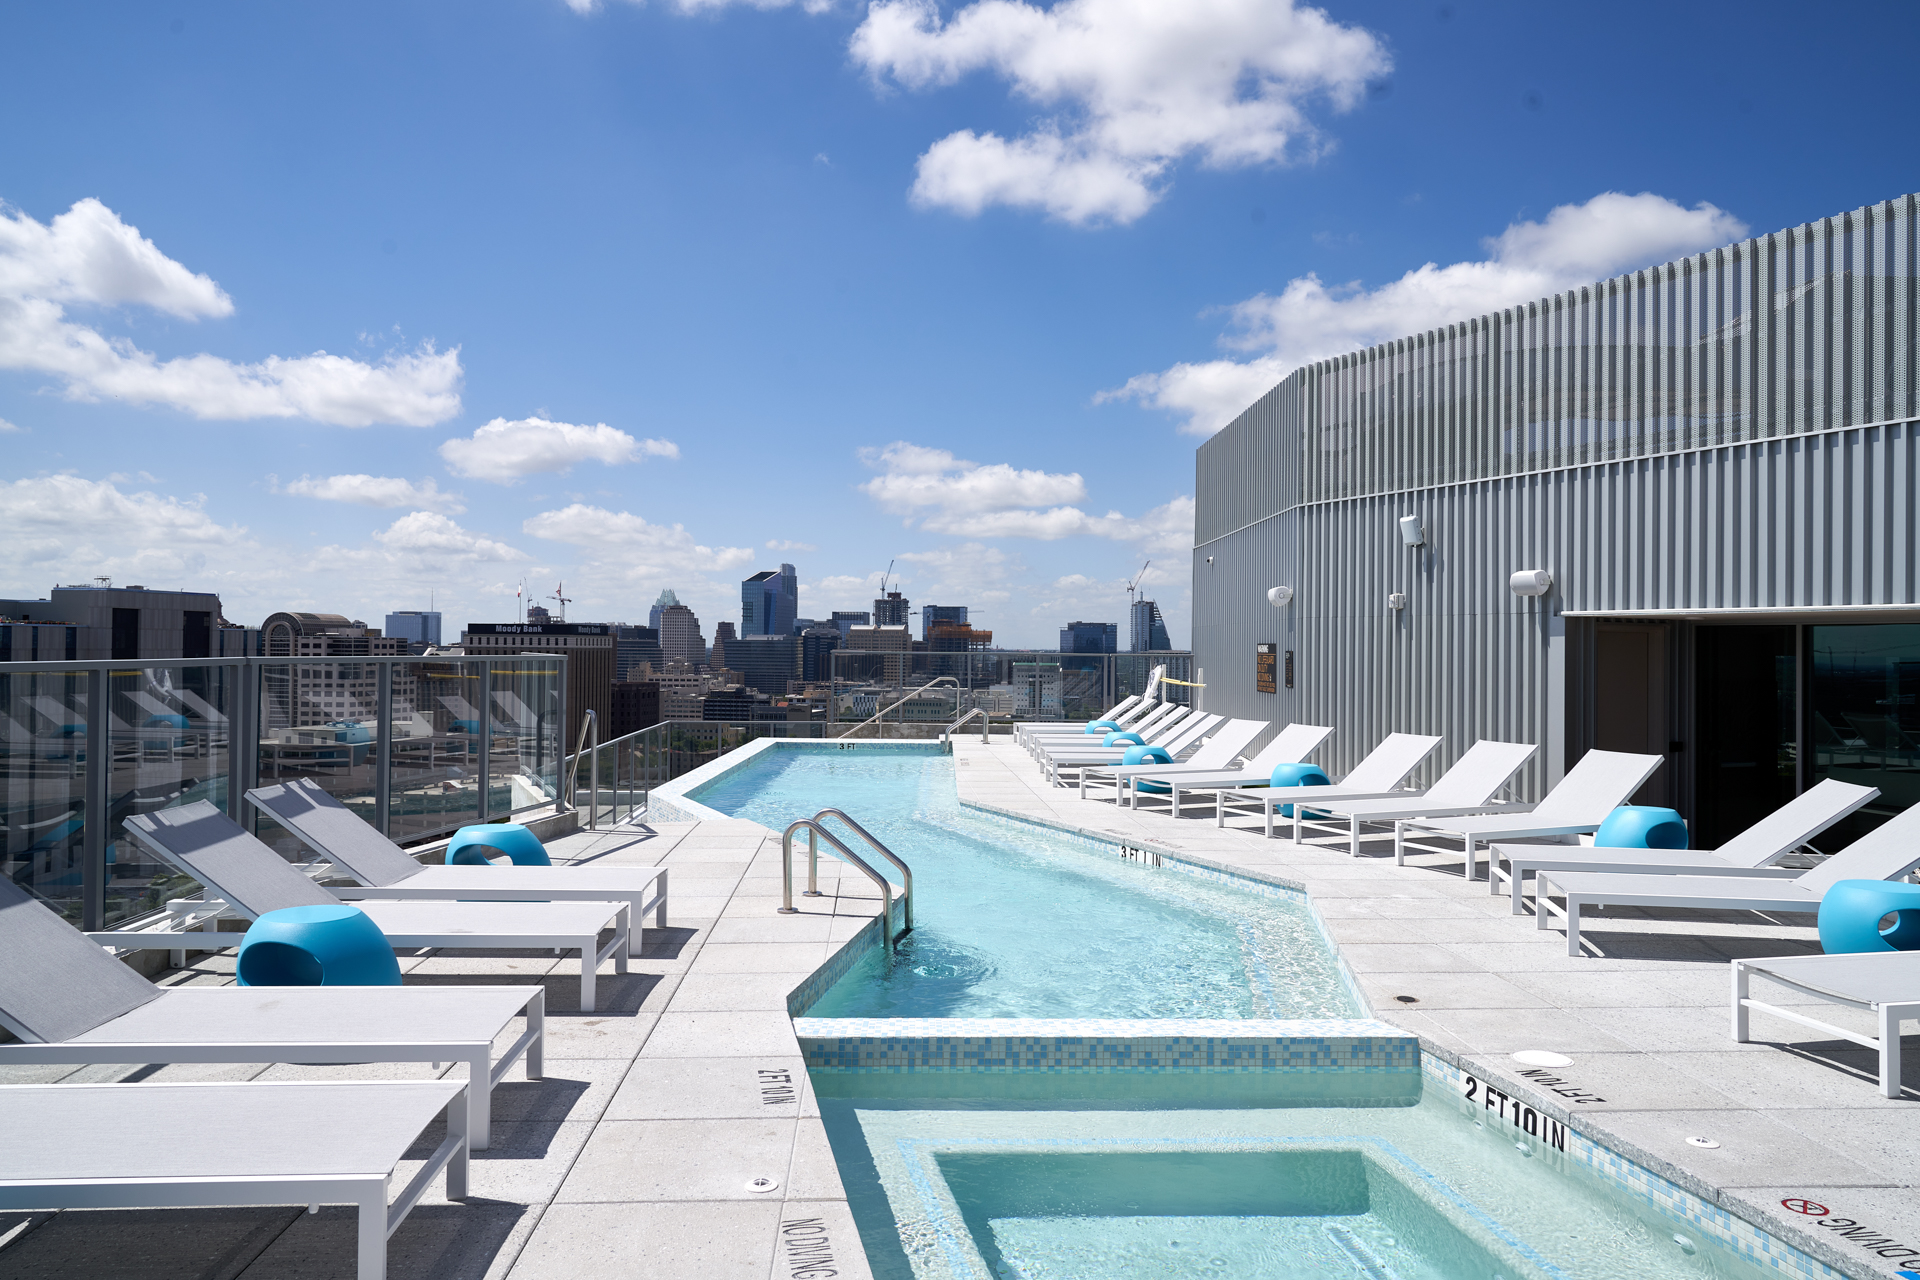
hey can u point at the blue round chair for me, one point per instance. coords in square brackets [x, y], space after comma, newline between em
[1297, 775]
[471, 845]
[1101, 726]
[1148, 755]
[1120, 738]
[1851, 912]
[327, 946]
[1641, 826]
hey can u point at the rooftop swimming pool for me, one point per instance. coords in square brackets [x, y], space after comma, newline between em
[1013, 920]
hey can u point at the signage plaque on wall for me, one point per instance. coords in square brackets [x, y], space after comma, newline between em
[1265, 668]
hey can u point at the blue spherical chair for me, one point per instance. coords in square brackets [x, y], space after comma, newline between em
[1101, 726]
[1851, 912]
[471, 846]
[1297, 775]
[1641, 826]
[327, 946]
[1119, 738]
[1148, 755]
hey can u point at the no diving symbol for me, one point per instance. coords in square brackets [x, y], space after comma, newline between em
[1812, 1208]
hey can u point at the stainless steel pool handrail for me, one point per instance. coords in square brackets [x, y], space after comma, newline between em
[814, 829]
[986, 723]
[906, 872]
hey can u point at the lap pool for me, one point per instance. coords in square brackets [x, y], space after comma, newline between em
[1080, 1067]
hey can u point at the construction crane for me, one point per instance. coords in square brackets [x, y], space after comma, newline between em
[883, 579]
[1133, 587]
[560, 594]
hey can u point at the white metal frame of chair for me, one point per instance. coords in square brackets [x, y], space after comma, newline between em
[367, 1191]
[1889, 1014]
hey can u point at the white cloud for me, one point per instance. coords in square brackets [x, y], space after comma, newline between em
[914, 479]
[88, 257]
[376, 491]
[1137, 87]
[504, 451]
[967, 499]
[780, 544]
[70, 529]
[430, 534]
[1308, 321]
[8, 428]
[632, 544]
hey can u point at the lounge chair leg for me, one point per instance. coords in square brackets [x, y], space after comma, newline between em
[1514, 879]
[1741, 1014]
[1472, 859]
[1220, 809]
[1890, 1050]
[1573, 926]
[1399, 843]
[1353, 846]
[373, 1232]
[588, 966]
[480, 1099]
[1270, 811]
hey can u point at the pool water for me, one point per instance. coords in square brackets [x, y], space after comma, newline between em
[985, 1191]
[1017, 921]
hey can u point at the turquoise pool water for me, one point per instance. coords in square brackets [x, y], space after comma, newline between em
[979, 1191]
[1017, 921]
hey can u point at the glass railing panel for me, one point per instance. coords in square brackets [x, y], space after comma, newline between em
[169, 743]
[524, 764]
[43, 770]
[435, 780]
[318, 723]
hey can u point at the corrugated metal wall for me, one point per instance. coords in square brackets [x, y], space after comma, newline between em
[1681, 438]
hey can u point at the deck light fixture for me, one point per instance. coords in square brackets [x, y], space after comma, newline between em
[1411, 531]
[1531, 582]
[1280, 597]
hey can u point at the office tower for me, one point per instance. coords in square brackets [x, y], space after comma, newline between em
[843, 619]
[634, 645]
[636, 706]
[1089, 637]
[310, 693]
[666, 601]
[680, 638]
[895, 642]
[419, 629]
[817, 644]
[590, 655]
[539, 613]
[1149, 629]
[890, 610]
[118, 623]
[765, 663]
[768, 601]
[936, 613]
[722, 637]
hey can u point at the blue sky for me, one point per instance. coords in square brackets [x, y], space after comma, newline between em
[639, 297]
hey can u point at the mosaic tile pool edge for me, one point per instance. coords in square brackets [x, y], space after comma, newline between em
[895, 1046]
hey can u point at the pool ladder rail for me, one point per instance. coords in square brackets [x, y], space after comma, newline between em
[816, 833]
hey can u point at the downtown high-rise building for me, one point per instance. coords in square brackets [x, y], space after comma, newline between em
[931, 615]
[666, 601]
[417, 627]
[1089, 637]
[769, 601]
[680, 638]
[1148, 630]
[891, 610]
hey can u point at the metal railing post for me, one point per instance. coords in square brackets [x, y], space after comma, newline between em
[383, 750]
[813, 864]
[486, 740]
[97, 779]
[593, 781]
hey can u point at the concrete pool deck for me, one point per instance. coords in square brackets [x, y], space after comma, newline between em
[634, 1152]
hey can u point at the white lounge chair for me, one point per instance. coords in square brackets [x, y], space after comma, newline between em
[1178, 741]
[1292, 745]
[206, 844]
[1133, 705]
[1892, 849]
[1146, 713]
[344, 839]
[1747, 854]
[69, 1001]
[1380, 774]
[1158, 721]
[1577, 805]
[1885, 983]
[70, 1146]
[1467, 788]
[1219, 751]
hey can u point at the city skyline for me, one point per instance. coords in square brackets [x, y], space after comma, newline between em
[266, 344]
